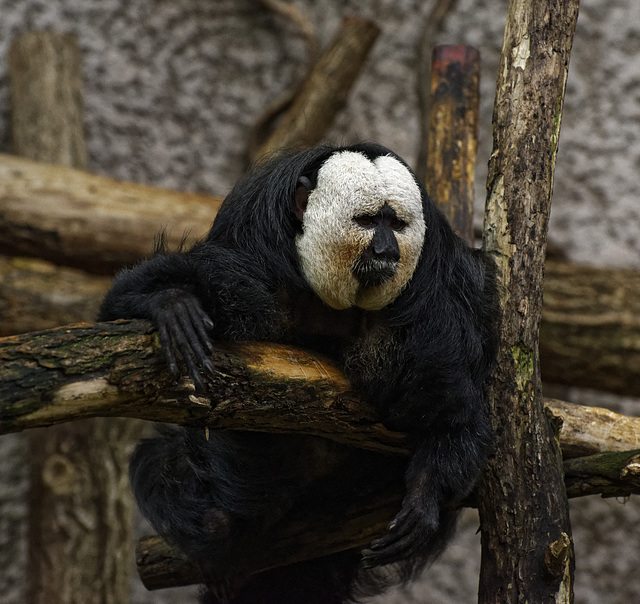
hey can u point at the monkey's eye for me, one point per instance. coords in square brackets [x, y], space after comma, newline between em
[365, 221]
[397, 225]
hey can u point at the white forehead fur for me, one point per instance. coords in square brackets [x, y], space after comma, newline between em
[349, 185]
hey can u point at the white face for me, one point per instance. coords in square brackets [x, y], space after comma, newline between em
[350, 185]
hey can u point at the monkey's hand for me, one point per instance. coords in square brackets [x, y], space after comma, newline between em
[417, 533]
[183, 328]
[442, 471]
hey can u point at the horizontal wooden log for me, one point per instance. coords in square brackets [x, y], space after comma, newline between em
[313, 534]
[117, 369]
[36, 295]
[608, 474]
[592, 430]
[78, 219]
[590, 331]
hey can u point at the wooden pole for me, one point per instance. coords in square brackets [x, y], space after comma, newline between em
[453, 134]
[81, 508]
[45, 73]
[527, 553]
[117, 370]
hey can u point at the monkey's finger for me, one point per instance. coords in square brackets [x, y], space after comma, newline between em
[396, 545]
[189, 341]
[172, 339]
[167, 347]
[393, 537]
[390, 550]
[396, 548]
[193, 370]
[184, 343]
[200, 321]
[201, 324]
[374, 559]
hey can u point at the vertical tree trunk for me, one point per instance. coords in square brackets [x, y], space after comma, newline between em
[527, 554]
[81, 512]
[81, 509]
[45, 72]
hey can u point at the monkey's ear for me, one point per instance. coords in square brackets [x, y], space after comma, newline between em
[301, 197]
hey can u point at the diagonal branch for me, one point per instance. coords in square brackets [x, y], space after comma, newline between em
[117, 369]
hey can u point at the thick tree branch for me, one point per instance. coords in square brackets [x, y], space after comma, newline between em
[590, 330]
[117, 369]
[323, 530]
[607, 474]
[264, 122]
[326, 89]
[591, 430]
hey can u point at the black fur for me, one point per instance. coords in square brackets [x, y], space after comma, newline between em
[422, 360]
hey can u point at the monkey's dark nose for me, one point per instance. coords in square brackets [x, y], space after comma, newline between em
[384, 245]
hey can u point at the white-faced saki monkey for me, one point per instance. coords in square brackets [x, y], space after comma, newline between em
[342, 251]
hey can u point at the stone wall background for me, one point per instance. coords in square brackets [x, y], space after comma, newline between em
[172, 88]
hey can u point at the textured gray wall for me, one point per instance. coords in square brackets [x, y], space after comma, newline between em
[172, 88]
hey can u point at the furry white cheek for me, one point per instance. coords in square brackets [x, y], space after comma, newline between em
[327, 268]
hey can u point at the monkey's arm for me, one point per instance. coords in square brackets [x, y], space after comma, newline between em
[164, 290]
[441, 407]
[208, 292]
[443, 470]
